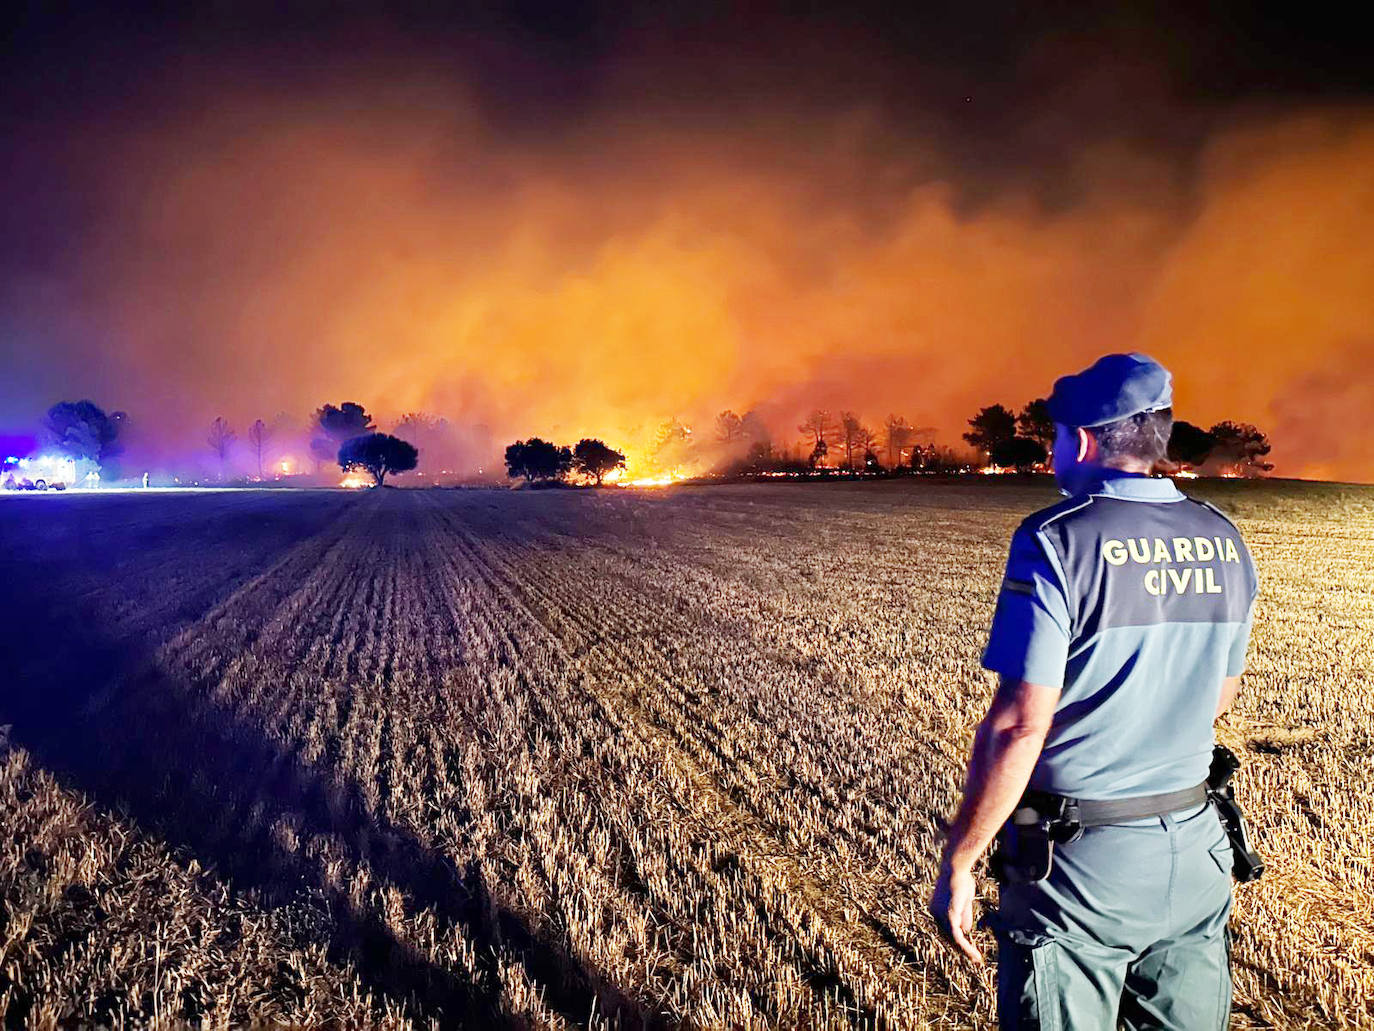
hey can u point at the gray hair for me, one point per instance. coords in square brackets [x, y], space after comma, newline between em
[1143, 436]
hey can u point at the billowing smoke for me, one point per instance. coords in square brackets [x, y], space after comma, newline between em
[239, 252]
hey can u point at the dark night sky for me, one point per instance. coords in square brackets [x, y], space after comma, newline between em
[536, 61]
[1024, 115]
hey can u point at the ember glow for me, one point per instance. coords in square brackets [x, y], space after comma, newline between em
[663, 480]
[377, 233]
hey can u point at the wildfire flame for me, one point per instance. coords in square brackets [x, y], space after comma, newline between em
[355, 480]
[663, 480]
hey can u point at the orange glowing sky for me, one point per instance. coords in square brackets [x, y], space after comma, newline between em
[249, 253]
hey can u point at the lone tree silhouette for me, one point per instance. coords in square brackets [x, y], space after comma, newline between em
[378, 454]
[537, 460]
[595, 459]
[258, 436]
[992, 425]
[221, 438]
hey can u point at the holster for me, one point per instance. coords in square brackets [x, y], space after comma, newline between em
[1024, 850]
[1246, 864]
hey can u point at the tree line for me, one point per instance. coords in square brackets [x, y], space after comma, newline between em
[346, 434]
[842, 443]
[1025, 440]
[828, 443]
[538, 461]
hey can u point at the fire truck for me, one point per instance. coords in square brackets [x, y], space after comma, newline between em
[42, 472]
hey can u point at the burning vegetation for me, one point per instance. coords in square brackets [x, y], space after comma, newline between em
[90, 447]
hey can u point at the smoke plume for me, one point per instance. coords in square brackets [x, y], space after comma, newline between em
[235, 251]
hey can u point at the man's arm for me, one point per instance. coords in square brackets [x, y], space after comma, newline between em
[1229, 688]
[1005, 749]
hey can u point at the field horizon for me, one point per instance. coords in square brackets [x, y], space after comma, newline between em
[618, 758]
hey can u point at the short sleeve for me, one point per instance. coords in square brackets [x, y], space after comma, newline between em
[1031, 627]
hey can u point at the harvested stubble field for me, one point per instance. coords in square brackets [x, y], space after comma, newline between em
[586, 759]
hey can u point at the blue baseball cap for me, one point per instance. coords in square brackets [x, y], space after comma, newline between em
[1116, 386]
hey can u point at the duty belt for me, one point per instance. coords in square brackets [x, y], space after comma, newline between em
[1025, 844]
[1120, 810]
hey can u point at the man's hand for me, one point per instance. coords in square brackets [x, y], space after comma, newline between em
[952, 907]
[1005, 749]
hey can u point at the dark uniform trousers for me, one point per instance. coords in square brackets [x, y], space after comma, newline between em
[1128, 930]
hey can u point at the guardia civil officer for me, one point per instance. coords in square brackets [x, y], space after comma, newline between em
[1119, 636]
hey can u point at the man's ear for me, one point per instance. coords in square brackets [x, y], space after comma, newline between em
[1087, 446]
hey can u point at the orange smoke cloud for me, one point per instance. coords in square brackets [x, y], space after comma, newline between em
[269, 257]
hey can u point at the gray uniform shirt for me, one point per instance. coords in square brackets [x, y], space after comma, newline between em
[1137, 601]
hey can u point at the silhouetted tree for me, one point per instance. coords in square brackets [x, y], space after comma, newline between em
[818, 453]
[593, 458]
[671, 432]
[992, 425]
[673, 445]
[345, 422]
[332, 426]
[868, 440]
[1240, 448]
[1035, 423]
[819, 429]
[1190, 445]
[854, 438]
[258, 435]
[729, 427]
[82, 431]
[378, 454]
[537, 460]
[221, 438]
[899, 435]
[1019, 453]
